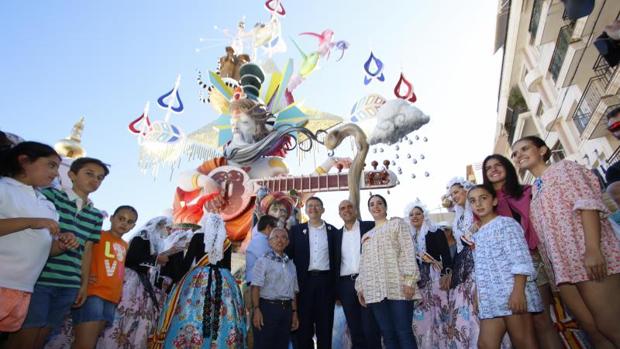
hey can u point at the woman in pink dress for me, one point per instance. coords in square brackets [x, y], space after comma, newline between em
[513, 200]
[584, 255]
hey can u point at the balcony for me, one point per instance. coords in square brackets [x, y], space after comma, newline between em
[595, 101]
[615, 157]
[559, 53]
[595, 89]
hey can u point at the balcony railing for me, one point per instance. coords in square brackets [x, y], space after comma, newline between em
[559, 53]
[595, 89]
[615, 157]
[602, 68]
[535, 19]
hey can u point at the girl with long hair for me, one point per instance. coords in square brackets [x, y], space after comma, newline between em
[583, 253]
[513, 200]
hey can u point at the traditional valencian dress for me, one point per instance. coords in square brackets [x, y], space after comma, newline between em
[463, 323]
[205, 309]
[431, 313]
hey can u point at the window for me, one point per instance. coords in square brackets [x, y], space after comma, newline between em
[557, 152]
[561, 46]
[535, 19]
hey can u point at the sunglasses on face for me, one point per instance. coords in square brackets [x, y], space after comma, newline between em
[614, 127]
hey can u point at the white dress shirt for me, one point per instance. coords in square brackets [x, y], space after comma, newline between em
[350, 250]
[319, 249]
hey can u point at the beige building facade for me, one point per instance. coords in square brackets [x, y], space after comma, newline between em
[554, 84]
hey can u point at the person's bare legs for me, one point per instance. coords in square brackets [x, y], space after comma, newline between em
[546, 334]
[23, 339]
[601, 298]
[87, 334]
[521, 331]
[572, 298]
[491, 333]
[28, 338]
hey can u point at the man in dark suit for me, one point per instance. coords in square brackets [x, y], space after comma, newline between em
[362, 325]
[311, 247]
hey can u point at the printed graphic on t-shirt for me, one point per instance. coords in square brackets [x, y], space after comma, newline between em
[114, 254]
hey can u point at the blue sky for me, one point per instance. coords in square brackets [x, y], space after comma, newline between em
[103, 60]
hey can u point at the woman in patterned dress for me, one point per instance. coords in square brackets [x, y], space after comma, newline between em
[504, 273]
[513, 200]
[463, 324]
[435, 264]
[584, 254]
[205, 309]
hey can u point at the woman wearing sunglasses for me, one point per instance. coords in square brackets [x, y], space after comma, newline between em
[613, 126]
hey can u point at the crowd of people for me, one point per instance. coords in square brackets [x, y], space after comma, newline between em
[487, 280]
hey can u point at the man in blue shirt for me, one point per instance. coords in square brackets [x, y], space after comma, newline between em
[259, 245]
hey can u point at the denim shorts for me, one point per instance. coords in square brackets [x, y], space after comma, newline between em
[49, 305]
[94, 309]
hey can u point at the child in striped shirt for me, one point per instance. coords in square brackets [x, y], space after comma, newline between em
[64, 280]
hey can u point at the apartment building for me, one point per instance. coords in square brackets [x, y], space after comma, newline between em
[554, 83]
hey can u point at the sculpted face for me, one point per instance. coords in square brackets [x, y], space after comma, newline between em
[243, 128]
[279, 211]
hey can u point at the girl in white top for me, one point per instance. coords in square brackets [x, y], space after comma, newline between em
[504, 272]
[29, 230]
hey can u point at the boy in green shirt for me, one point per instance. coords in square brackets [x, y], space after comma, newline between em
[64, 279]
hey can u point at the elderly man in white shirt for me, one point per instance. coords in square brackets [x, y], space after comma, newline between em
[362, 326]
[311, 248]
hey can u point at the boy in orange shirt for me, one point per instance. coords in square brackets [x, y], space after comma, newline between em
[106, 280]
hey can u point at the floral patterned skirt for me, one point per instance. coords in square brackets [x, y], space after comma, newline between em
[431, 312]
[135, 318]
[209, 312]
[463, 324]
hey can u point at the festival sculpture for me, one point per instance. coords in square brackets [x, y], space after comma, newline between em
[244, 149]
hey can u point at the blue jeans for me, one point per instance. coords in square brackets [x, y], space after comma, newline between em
[94, 309]
[49, 305]
[395, 318]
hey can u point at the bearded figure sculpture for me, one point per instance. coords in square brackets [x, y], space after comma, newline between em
[256, 150]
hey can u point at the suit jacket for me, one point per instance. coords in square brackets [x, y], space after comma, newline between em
[298, 250]
[365, 226]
